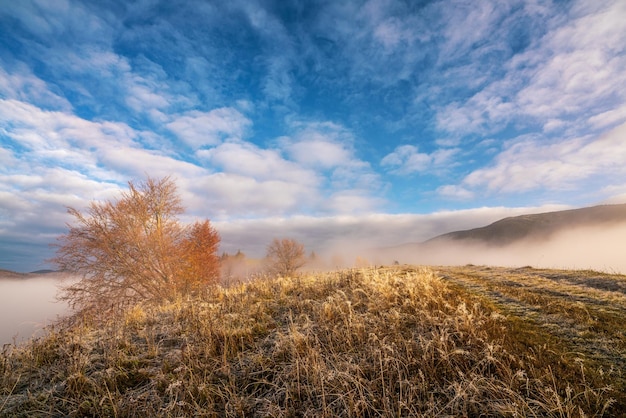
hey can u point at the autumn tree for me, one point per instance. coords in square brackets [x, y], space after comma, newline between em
[199, 255]
[135, 249]
[285, 256]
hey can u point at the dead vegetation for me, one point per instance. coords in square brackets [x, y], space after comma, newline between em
[568, 317]
[397, 341]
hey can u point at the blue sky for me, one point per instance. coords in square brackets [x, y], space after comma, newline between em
[380, 121]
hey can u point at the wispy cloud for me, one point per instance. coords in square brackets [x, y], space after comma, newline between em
[532, 164]
[562, 86]
[279, 52]
[244, 178]
[22, 84]
[54, 22]
[568, 73]
[199, 129]
[266, 110]
[406, 159]
[246, 159]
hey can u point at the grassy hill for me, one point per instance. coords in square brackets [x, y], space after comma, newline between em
[538, 226]
[401, 341]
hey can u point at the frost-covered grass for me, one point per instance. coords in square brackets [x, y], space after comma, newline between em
[402, 341]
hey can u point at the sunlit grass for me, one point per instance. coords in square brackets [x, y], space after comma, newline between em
[562, 318]
[373, 342]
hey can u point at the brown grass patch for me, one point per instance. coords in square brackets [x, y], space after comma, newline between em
[372, 342]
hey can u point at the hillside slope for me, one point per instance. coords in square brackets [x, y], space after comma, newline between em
[537, 226]
[402, 341]
[9, 274]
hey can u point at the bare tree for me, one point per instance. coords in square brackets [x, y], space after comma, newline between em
[134, 248]
[285, 256]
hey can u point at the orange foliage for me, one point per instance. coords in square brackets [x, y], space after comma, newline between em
[135, 249]
[199, 251]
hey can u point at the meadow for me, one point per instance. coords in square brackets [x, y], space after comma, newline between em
[388, 341]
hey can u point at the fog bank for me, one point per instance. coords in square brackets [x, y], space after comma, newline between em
[353, 234]
[598, 248]
[27, 305]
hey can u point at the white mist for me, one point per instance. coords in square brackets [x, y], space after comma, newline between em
[27, 305]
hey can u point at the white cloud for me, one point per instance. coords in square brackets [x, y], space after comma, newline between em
[134, 163]
[142, 95]
[104, 153]
[315, 170]
[554, 125]
[22, 84]
[329, 149]
[486, 112]
[7, 158]
[246, 159]
[460, 38]
[569, 74]
[608, 118]
[44, 190]
[571, 83]
[42, 131]
[199, 129]
[350, 202]
[406, 159]
[320, 145]
[65, 160]
[319, 152]
[53, 20]
[98, 77]
[231, 196]
[532, 164]
[455, 192]
[616, 193]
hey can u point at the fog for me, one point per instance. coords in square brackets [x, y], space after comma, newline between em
[596, 248]
[352, 234]
[27, 305]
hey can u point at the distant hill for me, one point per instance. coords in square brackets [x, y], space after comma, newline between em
[9, 274]
[537, 226]
[44, 271]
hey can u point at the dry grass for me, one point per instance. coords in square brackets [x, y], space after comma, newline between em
[362, 343]
[564, 318]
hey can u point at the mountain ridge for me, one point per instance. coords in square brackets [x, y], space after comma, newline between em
[535, 226]
[10, 274]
